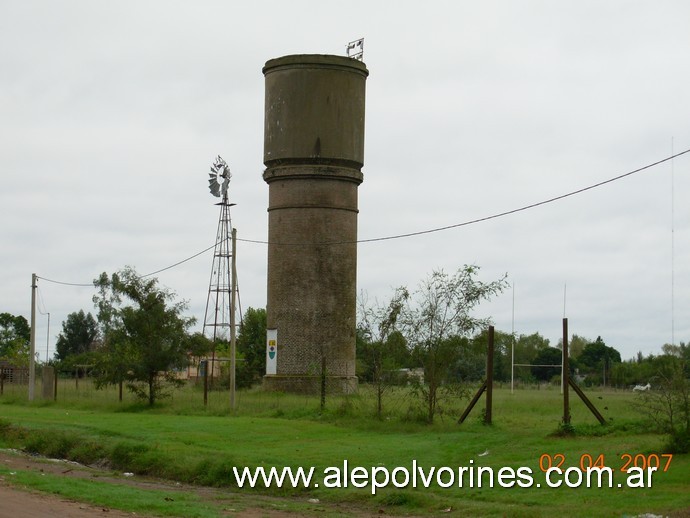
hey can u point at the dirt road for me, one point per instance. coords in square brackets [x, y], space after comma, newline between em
[21, 504]
[18, 502]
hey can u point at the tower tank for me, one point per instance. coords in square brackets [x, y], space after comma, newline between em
[313, 153]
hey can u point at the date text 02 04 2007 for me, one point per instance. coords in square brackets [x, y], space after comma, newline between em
[660, 461]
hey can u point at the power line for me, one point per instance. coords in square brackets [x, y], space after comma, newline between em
[41, 302]
[180, 262]
[486, 218]
[90, 285]
[418, 233]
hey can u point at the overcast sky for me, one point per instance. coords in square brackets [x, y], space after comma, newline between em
[112, 112]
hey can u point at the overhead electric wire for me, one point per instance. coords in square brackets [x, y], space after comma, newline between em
[526, 207]
[486, 218]
[183, 260]
[41, 302]
[140, 276]
[418, 233]
[80, 284]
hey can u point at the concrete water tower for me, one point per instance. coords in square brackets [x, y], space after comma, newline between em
[313, 153]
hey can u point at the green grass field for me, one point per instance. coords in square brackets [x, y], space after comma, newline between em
[183, 441]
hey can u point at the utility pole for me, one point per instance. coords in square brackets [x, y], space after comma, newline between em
[565, 375]
[32, 351]
[48, 338]
[512, 347]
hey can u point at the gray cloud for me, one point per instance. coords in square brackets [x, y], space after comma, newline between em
[112, 113]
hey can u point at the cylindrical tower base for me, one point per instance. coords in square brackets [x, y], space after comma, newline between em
[310, 384]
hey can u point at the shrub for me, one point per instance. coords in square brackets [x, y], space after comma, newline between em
[667, 405]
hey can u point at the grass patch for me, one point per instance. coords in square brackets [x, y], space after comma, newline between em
[57, 444]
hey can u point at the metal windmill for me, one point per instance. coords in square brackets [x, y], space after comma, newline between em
[219, 318]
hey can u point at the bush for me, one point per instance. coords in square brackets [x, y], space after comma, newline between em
[124, 454]
[667, 405]
[10, 434]
[54, 444]
[679, 442]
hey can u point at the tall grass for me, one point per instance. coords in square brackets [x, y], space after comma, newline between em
[542, 403]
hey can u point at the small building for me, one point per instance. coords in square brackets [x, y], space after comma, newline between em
[197, 368]
[11, 373]
[411, 375]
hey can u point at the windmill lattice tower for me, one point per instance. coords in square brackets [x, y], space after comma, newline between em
[219, 318]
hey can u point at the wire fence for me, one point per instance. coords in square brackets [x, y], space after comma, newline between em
[396, 402]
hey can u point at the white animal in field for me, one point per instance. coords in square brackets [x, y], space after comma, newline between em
[642, 388]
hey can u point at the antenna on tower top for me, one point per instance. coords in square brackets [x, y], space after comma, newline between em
[355, 49]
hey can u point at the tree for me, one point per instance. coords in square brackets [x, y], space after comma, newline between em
[15, 339]
[145, 342]
[251, 345]
[470, 363]
[527, 347]
[597, 357]
[436, 315]
[198, 345]
[502, 344]
[547, 356]
[576, 346]
[79, 334]
[382, 347]
[668, 404]
[681, 351]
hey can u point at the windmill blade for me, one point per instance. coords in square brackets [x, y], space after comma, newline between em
[219, 177]
[214, 187]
